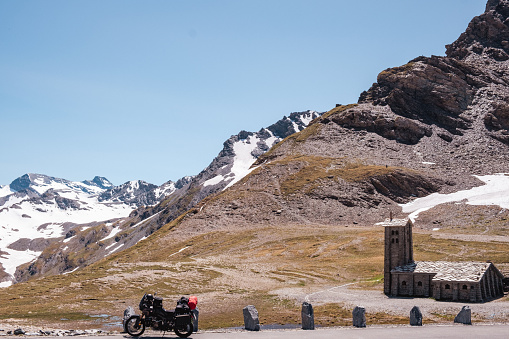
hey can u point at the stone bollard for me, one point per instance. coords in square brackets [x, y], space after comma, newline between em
[128, 312]
[359, 316]
[308, 316]
[251, 320]
[464, 317]
[415, 316]
[19, 331]
[196, 314]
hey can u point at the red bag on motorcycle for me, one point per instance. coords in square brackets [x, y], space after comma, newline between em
[193, 301]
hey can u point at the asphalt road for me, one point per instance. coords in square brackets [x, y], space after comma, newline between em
[430, 331]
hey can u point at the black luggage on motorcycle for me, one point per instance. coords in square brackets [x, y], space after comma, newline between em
[182, 320]
[181, 309]
[158, 303]
[183, 301]
[182, 306]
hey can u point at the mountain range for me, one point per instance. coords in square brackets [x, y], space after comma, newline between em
[37, 211]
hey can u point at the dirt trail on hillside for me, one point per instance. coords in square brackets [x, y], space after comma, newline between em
[471, 237]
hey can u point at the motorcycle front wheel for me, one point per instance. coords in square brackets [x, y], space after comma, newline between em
[134, 326]
[185, 331]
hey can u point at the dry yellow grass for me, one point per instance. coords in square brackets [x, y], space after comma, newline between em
[314, 169]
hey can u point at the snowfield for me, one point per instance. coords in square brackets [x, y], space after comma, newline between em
[494, 192]
[14, 226]
[23, 217]
[5, 191]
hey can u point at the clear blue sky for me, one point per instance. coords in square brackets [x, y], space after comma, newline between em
[151, 89]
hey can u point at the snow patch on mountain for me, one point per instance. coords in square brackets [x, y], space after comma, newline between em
[113, 233]
[5, 190]
[307, 117]
[246, 147]
[242, 161]
[494, 192]
[244, 158]
[12, 259]
[165, 189]
[145, 220]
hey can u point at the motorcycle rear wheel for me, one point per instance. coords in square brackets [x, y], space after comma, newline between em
[184, 332]
[134, 326]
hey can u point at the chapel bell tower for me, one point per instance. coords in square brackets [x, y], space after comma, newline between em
[398, 247]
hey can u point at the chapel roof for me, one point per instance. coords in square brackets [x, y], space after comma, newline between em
[447, 270]
[394, 222]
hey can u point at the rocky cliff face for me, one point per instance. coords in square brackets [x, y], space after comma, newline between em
[457, 92]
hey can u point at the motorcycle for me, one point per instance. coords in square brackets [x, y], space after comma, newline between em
[153, 315]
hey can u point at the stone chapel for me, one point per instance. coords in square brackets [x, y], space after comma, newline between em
[442, 280]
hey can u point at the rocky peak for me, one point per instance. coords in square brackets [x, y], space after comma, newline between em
[501, 7]
[464, 91]
[487, 34]
[100, 182]
[435, 91]
[183, 181]
[136, 193]
[21, 183]
[296, 122]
